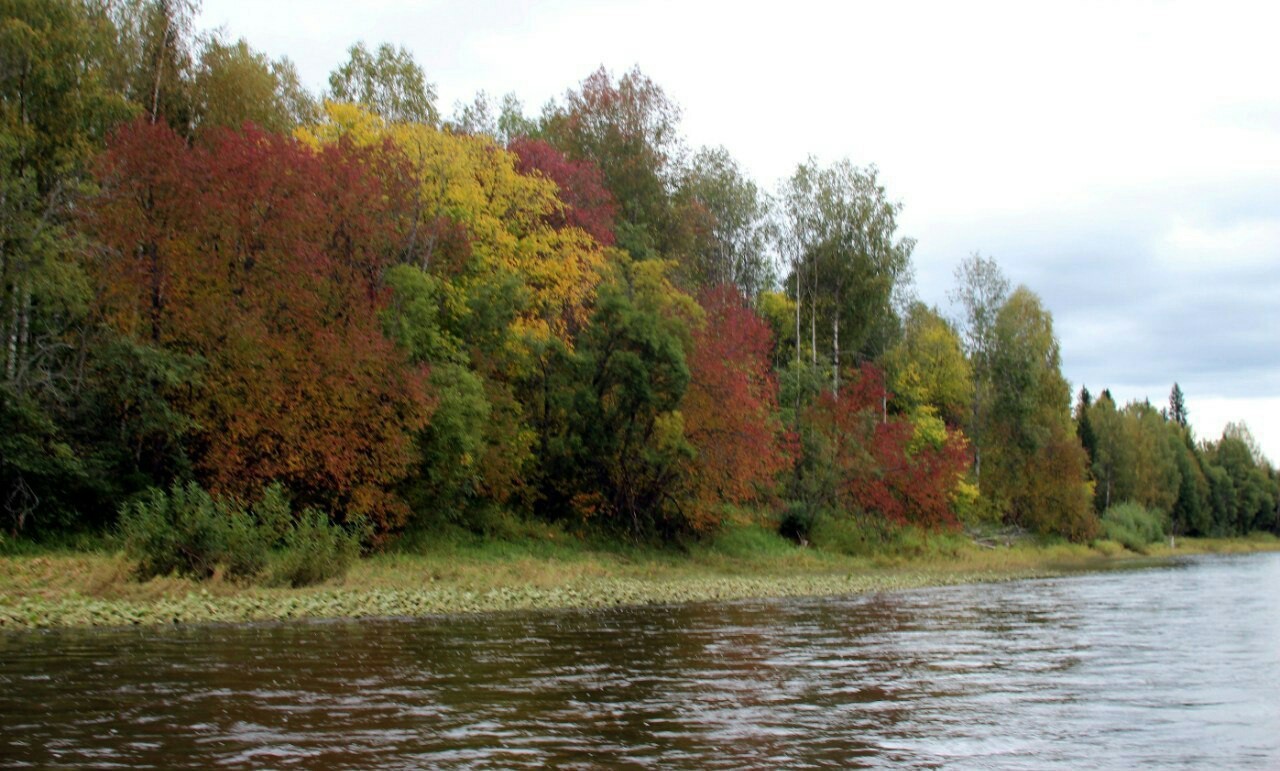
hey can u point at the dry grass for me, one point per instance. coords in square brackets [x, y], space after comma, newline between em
[73, 589]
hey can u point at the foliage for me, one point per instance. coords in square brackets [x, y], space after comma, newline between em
[880, 467]
[580, 186]
[1037, 469]
[234, 85]
[1134, 525]
[627, 129]
[387, 82]
[927, 368]
[266, 259]
[730, 409]
[190, 532]
[315, 550]
[840, 236]
[206, 278]
[732, 229]
[618, 451]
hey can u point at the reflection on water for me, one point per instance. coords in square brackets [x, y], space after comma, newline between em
[1177, 666]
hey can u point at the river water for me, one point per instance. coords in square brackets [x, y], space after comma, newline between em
[1176, 666]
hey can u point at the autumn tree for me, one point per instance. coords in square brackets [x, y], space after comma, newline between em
[882, 468]
[731, 407]
[587, 204]
[628, 129]
[927, 369]
[266, 259]
[496, 286]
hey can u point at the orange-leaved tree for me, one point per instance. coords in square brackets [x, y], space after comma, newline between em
[731, 407]
[265, 258]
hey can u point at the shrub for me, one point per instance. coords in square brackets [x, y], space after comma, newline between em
[796, 522]
[189, 532]
[1135, 526]
[848, 534]
[315, 550]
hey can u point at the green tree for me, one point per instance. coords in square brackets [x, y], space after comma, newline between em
[620, 453]
[731, 245]
[981, 291]
[234, 84]
[1177, 406]
[840, 230]
[1110, 450]
[154, 60]
[1191, 513]
[1084, 425]
[387, 82]
[628, 129]
[57, 103]
[1037, 469]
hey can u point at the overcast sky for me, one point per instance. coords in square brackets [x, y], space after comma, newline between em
[1121, 159]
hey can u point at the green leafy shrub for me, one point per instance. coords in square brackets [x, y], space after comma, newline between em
[315, 550]
[273, 513]
[1134, 526]
[188, 531]
[847, 534]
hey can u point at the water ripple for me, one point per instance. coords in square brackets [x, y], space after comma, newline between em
[1172, 667]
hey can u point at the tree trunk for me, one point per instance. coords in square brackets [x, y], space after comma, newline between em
[11, 344]
[797, 270]
[835, 354]
[24, 333]
[160, 49]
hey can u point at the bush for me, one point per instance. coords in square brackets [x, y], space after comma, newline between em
[796, 522]
[189, 532]
[315, 550]
[1135, 526]
[877, 538]
[848, 534]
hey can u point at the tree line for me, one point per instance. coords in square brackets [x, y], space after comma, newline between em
[413, 322]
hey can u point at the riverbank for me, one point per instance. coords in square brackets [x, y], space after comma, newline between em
[79, 589]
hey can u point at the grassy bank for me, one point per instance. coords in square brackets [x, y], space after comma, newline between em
[71, 588]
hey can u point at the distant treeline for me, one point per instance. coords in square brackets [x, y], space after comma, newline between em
[212, 276]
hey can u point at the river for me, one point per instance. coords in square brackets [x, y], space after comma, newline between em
[1173, 666]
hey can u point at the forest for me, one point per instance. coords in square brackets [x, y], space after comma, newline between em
[231, 306]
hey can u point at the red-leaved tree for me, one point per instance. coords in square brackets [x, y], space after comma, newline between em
[730, 408]
[587, 202]
[265, 258]
[881, 469]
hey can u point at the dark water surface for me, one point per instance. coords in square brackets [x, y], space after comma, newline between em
[1166, 667]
